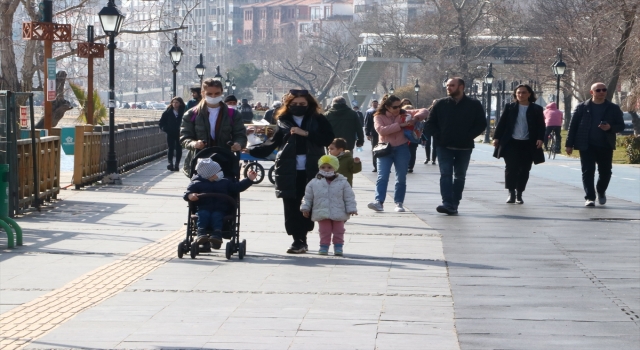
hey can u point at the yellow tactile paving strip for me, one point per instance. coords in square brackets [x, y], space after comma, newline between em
[34, 319]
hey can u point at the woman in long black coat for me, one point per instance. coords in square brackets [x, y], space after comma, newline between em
[518, 139]
[302, 136]
[170, 123]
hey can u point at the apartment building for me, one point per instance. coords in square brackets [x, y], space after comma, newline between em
[279, 20]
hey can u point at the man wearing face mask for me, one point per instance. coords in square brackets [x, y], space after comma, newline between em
[209, 124]
[231, 101]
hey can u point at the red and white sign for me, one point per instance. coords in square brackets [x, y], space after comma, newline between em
[51, 90]
[23, 116]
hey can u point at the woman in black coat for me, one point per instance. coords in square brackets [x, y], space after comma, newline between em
[302, 136]
[170, 123]
[518, 139]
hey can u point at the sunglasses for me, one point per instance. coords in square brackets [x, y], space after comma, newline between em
[600, 90]
[299, 92]
[395, 107]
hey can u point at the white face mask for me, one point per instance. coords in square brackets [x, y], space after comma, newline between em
[213, 100]
[326, 173]
[219, 176]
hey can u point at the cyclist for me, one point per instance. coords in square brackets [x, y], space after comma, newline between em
[553, 121]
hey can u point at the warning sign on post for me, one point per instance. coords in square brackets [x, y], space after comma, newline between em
[51, 79]
[23, 116]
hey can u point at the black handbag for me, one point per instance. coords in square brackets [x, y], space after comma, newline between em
[382, 149]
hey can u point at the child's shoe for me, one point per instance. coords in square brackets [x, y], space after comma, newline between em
[337, 249]
[324, 250]
[216, 237]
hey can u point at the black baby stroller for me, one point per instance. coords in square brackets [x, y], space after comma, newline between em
[230, 165]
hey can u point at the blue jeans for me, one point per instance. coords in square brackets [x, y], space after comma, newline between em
[453, 170]
[400, 159]
[210, 220]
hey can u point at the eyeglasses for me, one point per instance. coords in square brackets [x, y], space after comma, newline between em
[299, 92]
[395, 107]
[600, 90]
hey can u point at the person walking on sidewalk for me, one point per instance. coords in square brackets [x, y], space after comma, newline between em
[553, 121]
[345, 124]
[209, 124]
[389, 121]
[303, 133]
[170, 123]
[196, 94]
[454, 123]
[370, 131]
[518, 139]
[593, 129]
[329, 200]
[348, 164]
[360, 115]
[427, 140]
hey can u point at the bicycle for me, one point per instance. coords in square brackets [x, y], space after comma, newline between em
[551, 145]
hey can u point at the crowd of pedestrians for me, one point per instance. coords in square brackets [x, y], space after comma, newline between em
[315, 165]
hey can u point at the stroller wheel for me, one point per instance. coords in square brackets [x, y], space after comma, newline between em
[180, 250]
[258, 168]
[272, 176]
[229, 250]
[243, 249]
[194, 249]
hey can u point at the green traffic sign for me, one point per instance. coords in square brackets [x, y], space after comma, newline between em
[51, 68]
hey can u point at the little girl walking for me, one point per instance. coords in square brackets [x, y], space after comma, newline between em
[329, 200]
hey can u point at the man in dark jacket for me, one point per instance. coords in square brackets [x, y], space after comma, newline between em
[345, 123]
[593, 129]
[360, 116]
[370, 131]
[196, 93]
[454, 123]
[246, 112]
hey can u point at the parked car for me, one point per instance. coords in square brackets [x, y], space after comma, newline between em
[159, 106]
[628, 124]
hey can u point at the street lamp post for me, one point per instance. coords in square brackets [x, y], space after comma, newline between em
[111, 20]
[391, 89]
[135, 96]
[176, 56]
[200, 69]
[445, 81]
[227, 83]
[218, 76]
[488, 79]
[233, 85]
[416, 88]
[558, 69]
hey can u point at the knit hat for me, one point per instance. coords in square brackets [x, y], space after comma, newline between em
[329, 159]
[206, 168]
[230, 98]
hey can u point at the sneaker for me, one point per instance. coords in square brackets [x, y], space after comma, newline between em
[324, 250]
[602, 198]
[374, 170]
[426, 161]
[377, 206]
[433, 163]
[337, 249]
[216, 237]
[296, 248]
[512, 197]
[519, 198]
[446, 210]
[399, 208]
[410, 170]
[170, 167]
[176, 167]
[589, 203]
[201, 239]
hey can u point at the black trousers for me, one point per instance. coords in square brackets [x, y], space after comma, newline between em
[413, 148]
[547, 132]
[518, 159]
[173, 141]
[430, 152]
[294, 222]
[374, 142]
[603, 157]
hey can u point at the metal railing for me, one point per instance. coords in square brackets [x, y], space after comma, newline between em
[136, 144]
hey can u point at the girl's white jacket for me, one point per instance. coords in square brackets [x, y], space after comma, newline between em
[325, 200]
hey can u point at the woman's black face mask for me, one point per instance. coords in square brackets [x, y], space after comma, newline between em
[298, 110]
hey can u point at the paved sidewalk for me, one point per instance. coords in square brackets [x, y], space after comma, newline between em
[100, 270]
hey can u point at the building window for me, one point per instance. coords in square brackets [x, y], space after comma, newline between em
[327, 12]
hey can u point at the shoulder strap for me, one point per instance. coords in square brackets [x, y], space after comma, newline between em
[194, 115]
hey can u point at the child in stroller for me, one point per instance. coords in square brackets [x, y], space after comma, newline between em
[212, 209]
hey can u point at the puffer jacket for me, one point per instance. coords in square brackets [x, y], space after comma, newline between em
[199, 130]
[552, 116]
[348, 166]
[329, 200]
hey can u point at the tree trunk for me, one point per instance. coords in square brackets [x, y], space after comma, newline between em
[59, 106]
[8, 70]
[568, 97]
[629, 16]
